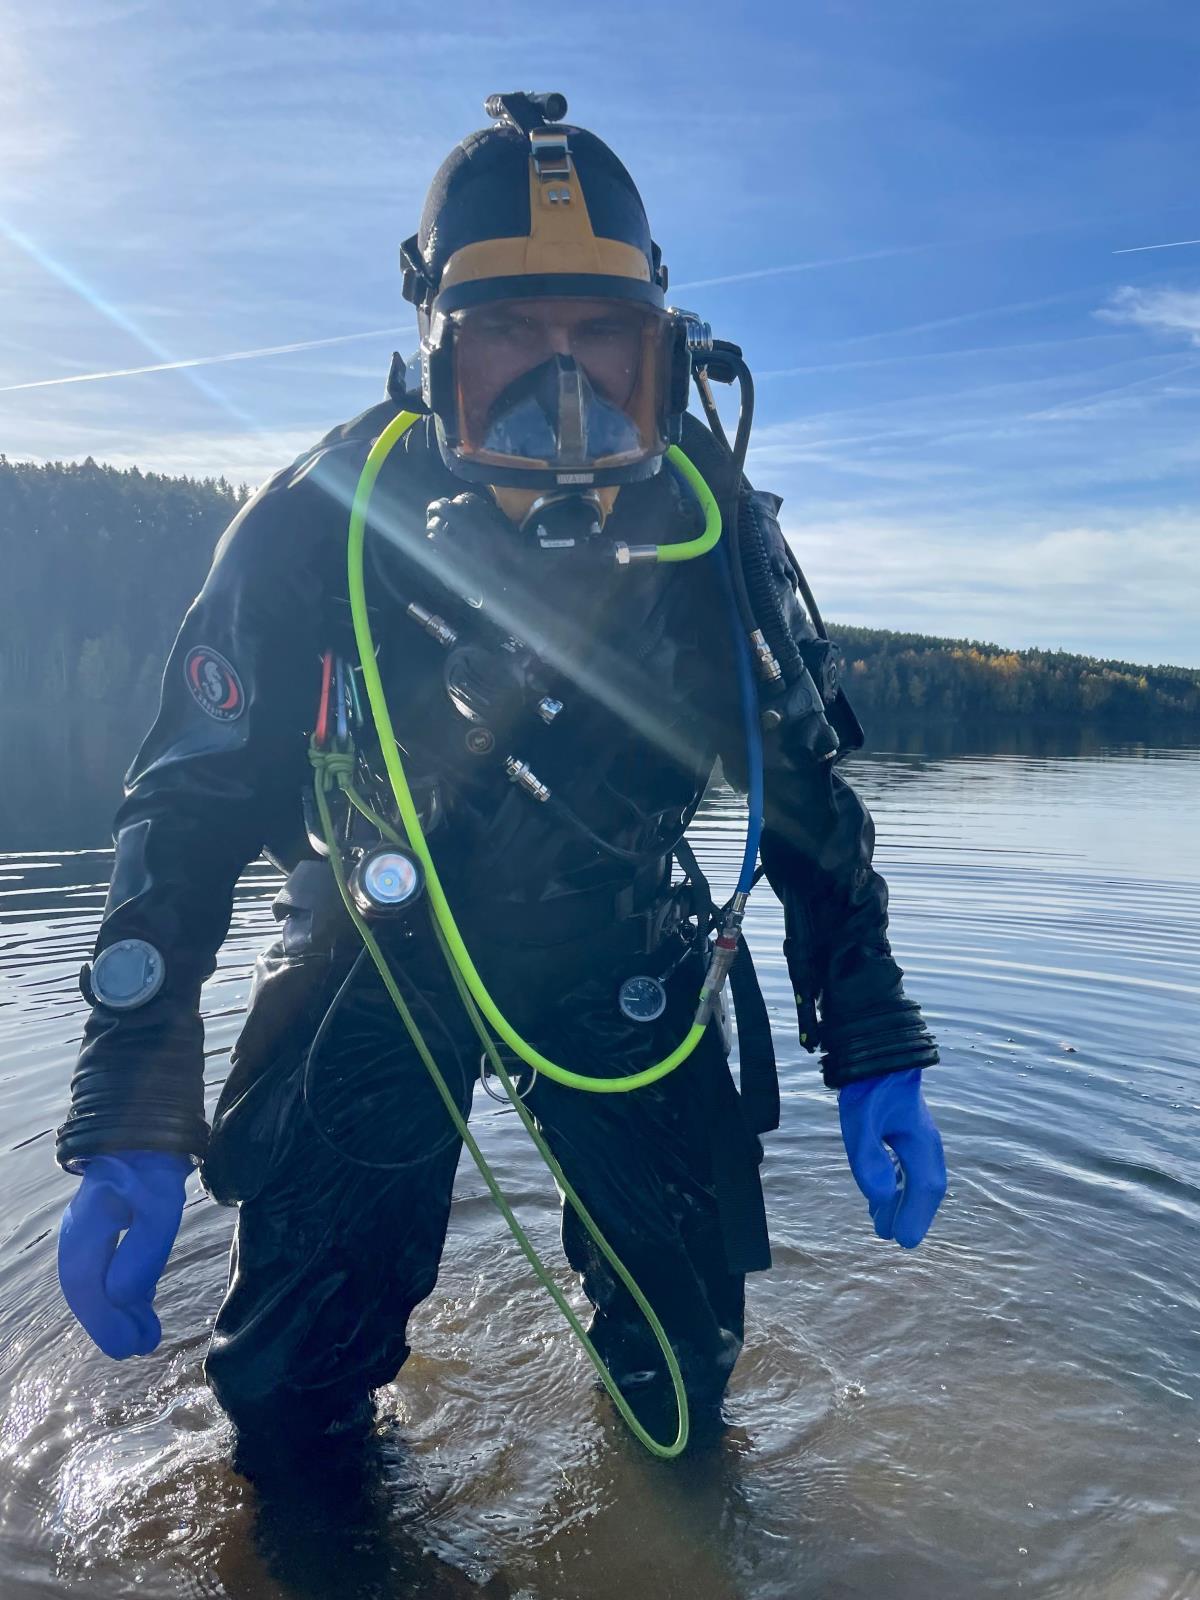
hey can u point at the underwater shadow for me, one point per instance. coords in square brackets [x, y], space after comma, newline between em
[328, 1525]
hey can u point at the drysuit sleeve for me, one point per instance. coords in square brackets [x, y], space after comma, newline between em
[225, 758]
[817, 846]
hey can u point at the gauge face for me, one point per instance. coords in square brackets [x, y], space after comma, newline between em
[386, 880]
[642, 999]
[127, 975]
[390, 879]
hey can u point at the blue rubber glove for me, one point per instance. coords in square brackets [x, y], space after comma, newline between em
[903, 1189]
[109, 1281]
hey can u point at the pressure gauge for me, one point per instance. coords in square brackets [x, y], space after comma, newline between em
[642, 999]
[127, 974]
[385, 881]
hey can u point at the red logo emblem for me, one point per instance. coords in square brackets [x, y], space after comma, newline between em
[214, 685]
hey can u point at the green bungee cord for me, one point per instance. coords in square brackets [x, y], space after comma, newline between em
[332, 768]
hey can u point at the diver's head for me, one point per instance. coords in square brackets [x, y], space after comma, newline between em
[548, 358]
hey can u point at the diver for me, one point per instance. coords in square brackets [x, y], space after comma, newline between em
[463, 672]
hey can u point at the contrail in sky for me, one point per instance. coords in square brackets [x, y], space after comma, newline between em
[700, 283]
[78, 286]
[201, 361]
[804, 266]
[1133, 249]
[901, 250]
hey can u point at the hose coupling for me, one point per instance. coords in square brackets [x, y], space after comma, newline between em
[724, 951]
[697, 332]
[436, 627]
[519, 773]
[768, 668]
[548, 708]
[627, 554]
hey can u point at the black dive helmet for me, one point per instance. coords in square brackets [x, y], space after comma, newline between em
[548, 356]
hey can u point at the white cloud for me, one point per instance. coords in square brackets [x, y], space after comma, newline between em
[31, 138]
[1111, 586]
[1165, 310]
[1016, 449]
[241, 457]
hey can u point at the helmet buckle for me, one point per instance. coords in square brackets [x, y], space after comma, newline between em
[551, 154]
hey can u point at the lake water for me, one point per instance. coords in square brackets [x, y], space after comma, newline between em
[1011, 1409]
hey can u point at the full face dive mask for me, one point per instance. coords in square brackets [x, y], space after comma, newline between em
[534, 262]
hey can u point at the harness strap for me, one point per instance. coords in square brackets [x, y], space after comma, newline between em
[756, 1050]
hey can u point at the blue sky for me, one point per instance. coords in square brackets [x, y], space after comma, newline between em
[983, 418]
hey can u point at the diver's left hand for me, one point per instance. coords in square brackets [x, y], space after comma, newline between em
[903, 1189]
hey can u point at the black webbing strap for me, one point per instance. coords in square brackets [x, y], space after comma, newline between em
[702, 900]
[756, 1051]
[734, 1153]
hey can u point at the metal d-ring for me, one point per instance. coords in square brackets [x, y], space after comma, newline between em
[495, 1094]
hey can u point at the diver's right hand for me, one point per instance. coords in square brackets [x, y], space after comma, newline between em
[109, 1281]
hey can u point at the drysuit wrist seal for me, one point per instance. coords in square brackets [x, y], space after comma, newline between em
[95, 1133]
[881, 1042]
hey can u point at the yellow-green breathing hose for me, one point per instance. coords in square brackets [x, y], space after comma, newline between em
[688, 549]
[457, 955]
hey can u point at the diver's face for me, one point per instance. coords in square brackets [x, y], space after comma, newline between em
[495, 345]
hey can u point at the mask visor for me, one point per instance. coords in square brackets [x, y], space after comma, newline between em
[562, 385]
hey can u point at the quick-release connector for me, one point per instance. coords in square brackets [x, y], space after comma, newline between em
[436, 627]
[724, 951]
[769, 669]
[519, 773]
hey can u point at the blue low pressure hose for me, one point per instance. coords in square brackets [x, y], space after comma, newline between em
[754, 747]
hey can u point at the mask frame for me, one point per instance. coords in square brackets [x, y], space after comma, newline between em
[663, 412]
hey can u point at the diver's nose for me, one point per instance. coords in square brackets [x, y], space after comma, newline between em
[560, 339]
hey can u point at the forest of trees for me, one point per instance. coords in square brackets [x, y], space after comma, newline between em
[912, 674]
[100, 564]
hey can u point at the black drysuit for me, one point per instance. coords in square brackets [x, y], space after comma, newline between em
[340, 1156]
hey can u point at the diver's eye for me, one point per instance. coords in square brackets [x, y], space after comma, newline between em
[601, 329]
[516, 329]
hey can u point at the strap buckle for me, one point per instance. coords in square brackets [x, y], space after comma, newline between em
[551, 154]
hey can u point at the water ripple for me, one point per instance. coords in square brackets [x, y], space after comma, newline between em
[1015, 1407]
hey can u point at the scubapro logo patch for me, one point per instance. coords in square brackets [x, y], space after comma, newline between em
[215, 686]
